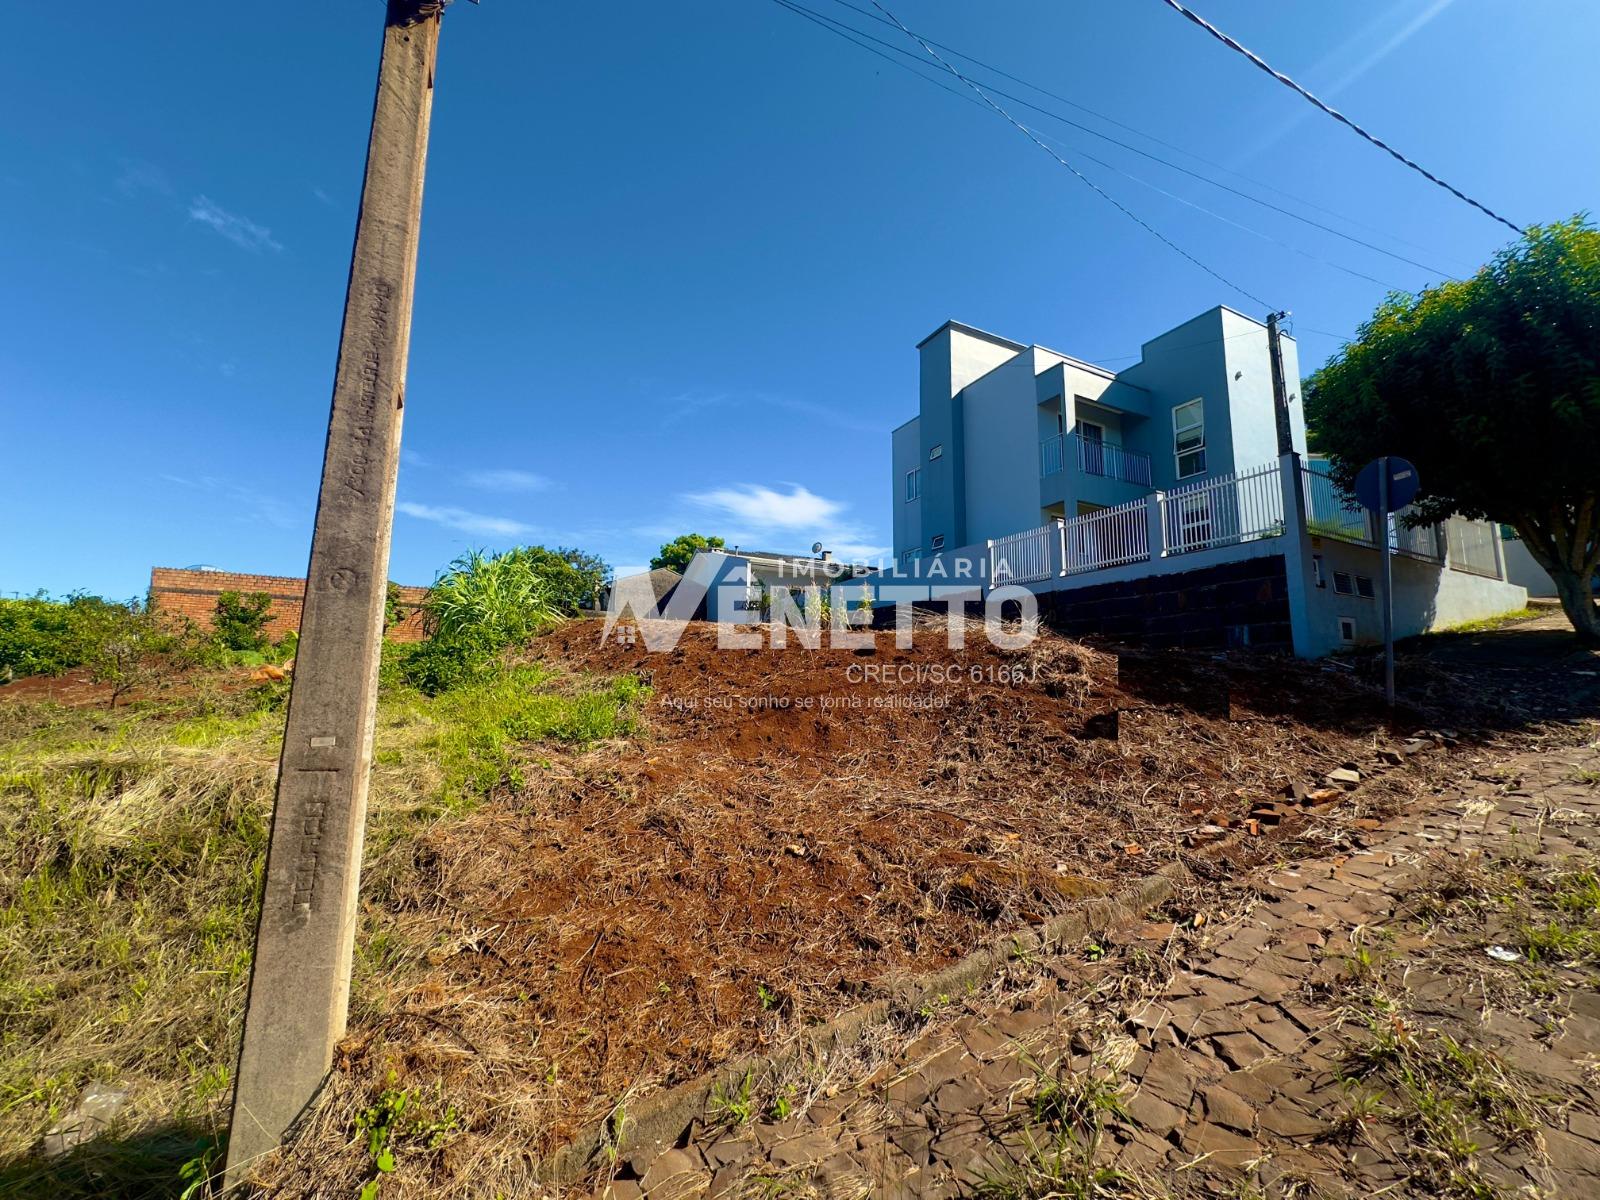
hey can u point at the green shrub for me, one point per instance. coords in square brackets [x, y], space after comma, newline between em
[490, 600]
[241, 620]
[35, 637]
[442, 663]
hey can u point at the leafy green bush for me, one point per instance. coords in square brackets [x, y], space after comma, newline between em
[490, 599]
[241, 620]
[35, 637]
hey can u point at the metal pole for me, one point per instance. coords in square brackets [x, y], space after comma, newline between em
[1280, 386]
[1388, 581]
[300, 976]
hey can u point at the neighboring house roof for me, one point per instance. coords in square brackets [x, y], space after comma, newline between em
[660, 583]
[801, 563]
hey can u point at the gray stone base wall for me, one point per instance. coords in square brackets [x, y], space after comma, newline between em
[1243, 603]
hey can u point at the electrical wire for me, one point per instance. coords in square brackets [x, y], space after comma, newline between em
[1098, 190]
[1137, 132]
[1335, 113]
[846, 30]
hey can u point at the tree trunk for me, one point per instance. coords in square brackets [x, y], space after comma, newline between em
[1577, 601]
[1570, 556]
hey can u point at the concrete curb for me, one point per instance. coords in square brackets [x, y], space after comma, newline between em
[661, 1120]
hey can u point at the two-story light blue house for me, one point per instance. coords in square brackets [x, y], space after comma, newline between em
[1009, 436]
[1155, 501]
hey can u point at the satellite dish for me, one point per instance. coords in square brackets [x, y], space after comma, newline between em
[816, 547]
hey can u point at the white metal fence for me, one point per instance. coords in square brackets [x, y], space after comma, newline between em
[1022, 557]
[1332, 512]
[1224, 511]
[1111, 537]
[1472, 546]
[1422, 541]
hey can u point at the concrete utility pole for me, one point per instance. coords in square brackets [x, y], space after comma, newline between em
[300, 979]
[1280, 387]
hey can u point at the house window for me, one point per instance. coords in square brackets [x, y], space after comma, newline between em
[907, 557]
[1347, 630]
[935, 452]
[1343, 584]
[1189, 437]
[937, 541]
[913, 484]
[1364, 587]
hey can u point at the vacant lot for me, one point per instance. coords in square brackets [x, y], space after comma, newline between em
[599, 872]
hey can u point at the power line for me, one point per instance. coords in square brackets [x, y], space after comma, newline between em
[847, 31]
[1334, 113]
[1110, 120]
[1099, 191]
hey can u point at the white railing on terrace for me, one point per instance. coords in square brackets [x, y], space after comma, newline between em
[1332, 512]
[1104, 459]
[1422, 541]
[1224, 511]
[1050, 458]
[1022, 557]
[1112, 537]
[1112, 462]
[1472, 547]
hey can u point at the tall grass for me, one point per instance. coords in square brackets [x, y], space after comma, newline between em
[131, 847]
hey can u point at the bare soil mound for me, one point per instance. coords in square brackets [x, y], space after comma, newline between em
[791, 830]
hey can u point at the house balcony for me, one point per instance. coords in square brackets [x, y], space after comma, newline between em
[1102, 459]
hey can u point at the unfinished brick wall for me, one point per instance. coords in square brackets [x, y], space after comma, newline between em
[193, 594]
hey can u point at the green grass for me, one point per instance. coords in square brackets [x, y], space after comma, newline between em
[131, 847]
[1486, 624]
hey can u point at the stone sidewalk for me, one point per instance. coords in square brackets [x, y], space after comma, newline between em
[1343, 1032]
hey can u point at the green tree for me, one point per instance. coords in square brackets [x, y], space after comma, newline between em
[1491, 386]
[571, 577]
[120, 644]
[677, 554]
[241, 620]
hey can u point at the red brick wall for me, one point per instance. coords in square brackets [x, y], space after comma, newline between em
[193, 594]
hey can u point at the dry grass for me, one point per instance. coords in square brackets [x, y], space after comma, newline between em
[550, 932]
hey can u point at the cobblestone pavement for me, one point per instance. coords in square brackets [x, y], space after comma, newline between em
[1417, 1018]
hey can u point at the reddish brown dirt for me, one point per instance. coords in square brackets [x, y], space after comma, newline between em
[785, 836]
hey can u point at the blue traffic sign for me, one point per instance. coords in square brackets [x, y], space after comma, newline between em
[1403, 483]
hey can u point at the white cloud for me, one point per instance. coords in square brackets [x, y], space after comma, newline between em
[506, 481]
[763, 517]
[140, 177]
[800, 508]
[249, 502]
[462, 519]
[241, 231]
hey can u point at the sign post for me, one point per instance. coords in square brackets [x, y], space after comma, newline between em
[1383, 486]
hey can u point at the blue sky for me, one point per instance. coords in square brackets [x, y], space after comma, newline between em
[675, 257]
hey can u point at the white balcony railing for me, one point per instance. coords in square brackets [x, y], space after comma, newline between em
[1111, 537]
[1112, 461]
[1224, 511]
[1105, 459]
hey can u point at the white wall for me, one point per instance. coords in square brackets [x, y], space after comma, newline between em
[1248, 367]
[1426, 597]
[906, 443]
[1002, 450]
[1522, 569]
